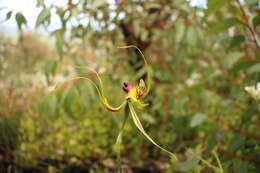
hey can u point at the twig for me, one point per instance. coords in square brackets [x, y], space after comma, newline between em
[247, 24]
[218, 161]
[216, 169]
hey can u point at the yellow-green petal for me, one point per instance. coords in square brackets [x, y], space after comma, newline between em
[147, 67]
[138, 124]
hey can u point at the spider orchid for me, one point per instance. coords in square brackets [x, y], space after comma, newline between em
[134, 99]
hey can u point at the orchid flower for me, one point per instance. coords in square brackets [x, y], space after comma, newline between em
[133, 99]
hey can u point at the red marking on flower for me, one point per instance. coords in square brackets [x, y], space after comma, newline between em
[140, 95]
[127, 87]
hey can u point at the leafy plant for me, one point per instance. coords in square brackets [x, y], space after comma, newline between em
[203, 59]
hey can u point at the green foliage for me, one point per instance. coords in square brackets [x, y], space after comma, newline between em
[224, 25]
[216, 5]
[59, 43]
[197, 119]
[44, 15]
[89, 138]
[204, 96]
[256, 20]
[254, 69]
[9, 127]
[50, 69]
[20, 20]
[8, 15]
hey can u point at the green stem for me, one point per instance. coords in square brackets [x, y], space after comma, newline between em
[119, 160]
[119, 140]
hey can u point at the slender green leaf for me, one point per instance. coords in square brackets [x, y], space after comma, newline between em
[50, 68]
[59, 43]
[71, 101]
[8, 15]
[215, 5]
[49, 105]
[232, 59]
[191, 36]
[44, 15]
[223, 25]
[254, 69]
[180, 31]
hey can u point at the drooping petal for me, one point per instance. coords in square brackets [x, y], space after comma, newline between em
[111, 108]
[96, 74]
[138, 124]
[102, 96]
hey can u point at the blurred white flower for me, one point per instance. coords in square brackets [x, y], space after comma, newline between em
[193, 79]
[254, 91]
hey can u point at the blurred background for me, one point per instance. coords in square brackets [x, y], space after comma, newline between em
[205, 97]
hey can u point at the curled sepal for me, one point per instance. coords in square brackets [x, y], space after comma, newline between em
[111, 108]
[97, 76]
[102, 98]
[138, 124]
[147, 68]
[100, 89]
